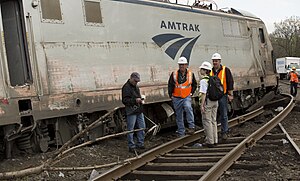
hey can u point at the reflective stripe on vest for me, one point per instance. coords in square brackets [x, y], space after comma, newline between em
[183, 90]
[294, 77]
[222, 77]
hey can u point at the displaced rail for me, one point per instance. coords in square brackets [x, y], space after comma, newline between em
[290, 139]
[174, 160]
[275, 152]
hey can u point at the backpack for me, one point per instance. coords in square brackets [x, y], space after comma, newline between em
[215, 90]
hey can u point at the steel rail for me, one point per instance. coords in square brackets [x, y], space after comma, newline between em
[290, 139]
[222, 165]
[121, 170]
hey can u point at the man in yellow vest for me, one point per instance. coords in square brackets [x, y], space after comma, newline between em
[294, 81]
[181, 86]
[226, 78]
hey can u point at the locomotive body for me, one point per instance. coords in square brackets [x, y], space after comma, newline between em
[63, 62]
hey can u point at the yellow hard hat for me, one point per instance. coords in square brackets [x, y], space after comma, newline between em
[293, 68]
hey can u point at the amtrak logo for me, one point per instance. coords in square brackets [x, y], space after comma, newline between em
[173, 49]
[170, 25]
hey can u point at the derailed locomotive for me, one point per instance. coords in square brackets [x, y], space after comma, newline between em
[63, 62]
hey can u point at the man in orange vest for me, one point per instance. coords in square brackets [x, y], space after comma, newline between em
[226, 78]
[294, 81]
[181, 86]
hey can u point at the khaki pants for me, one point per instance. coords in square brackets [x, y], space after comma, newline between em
[209, 121]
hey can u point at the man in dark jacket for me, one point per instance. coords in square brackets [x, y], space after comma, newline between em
[131, 98]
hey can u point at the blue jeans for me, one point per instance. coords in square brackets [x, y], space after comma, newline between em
[223, 110]
[293, 86]
[181, 105]
[138, 120]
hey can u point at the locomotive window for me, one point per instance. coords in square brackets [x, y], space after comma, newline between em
[51, 9]
[235, 28]
[92, 11]
[226, 27]
[243, 28]
[261, 35]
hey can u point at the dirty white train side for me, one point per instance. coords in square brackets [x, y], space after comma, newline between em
[63, 62]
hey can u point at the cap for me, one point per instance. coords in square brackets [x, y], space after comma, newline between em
[135, 76]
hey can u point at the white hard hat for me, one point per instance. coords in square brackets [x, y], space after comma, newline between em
[206, 66]
[216, 56]
[182, 60]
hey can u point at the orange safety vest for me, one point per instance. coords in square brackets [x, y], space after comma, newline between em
[183, 90]
[222, 77]
[294, 77]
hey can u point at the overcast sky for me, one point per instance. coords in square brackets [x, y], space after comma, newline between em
[270, 11]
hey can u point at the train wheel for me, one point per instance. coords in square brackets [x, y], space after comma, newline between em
[40, 144]
[40, 139]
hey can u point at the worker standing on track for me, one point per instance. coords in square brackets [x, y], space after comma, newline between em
[294, 81]
[181, 86]
[208, 107]
[226, 78]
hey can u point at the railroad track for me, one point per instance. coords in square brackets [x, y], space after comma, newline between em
[275, 152]
[290, 139]
[177, 160]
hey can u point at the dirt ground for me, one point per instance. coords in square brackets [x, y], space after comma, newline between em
[108, 151]
[283, 164]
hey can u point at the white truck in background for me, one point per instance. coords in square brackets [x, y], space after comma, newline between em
[284, 66]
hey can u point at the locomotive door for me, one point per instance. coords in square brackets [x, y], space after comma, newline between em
[256, 48]
[15, 41]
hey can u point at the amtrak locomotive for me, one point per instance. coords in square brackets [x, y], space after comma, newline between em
[63, 62]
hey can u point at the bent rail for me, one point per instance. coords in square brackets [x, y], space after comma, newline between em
[222, 165]
[295, 146]
[217, 169]
[119, 171]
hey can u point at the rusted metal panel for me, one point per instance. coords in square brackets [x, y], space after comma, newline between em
[22, 91]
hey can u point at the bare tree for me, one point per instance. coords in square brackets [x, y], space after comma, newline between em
[286, 38]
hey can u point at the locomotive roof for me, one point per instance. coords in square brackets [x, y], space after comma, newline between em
[224, 11]
[243, 13]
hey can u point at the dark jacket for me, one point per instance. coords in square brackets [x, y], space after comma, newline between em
[171, 83]
[129, 95]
